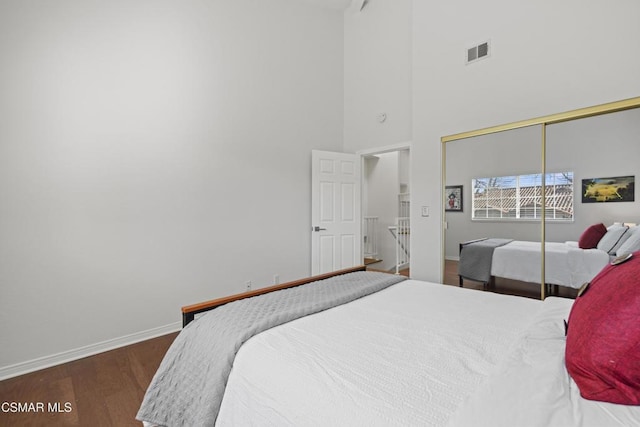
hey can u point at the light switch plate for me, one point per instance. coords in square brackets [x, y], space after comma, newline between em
[425, 211]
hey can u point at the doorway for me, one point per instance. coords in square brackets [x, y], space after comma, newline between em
[386, 195]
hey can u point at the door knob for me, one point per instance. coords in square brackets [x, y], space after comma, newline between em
[316, 228]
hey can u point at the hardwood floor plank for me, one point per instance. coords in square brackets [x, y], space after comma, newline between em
[123, 407]
[89, 392]
[61, 395]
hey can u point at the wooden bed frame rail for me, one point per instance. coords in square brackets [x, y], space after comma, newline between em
[189, 311]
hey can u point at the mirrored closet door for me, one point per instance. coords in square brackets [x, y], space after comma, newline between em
[518, 199]
[491, 198]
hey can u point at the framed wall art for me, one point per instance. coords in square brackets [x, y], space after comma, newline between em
[453, 198]
[614, 189]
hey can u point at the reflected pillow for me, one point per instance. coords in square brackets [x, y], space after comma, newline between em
[615, 236]
[591, 236]
[602, 352]
[632, 244]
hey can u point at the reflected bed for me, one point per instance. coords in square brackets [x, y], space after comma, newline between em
[565, 263]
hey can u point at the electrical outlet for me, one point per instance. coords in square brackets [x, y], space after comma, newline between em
[425, 211]
[248, 285]
[276, 279]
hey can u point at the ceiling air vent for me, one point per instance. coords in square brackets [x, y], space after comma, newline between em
[478, 52]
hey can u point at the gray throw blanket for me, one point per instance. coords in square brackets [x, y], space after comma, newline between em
[188, 387]
[476, 258]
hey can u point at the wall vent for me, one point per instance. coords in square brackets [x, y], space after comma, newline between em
[478, 52]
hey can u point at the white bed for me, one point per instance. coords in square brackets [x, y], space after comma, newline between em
[565, 263]
[415, 354]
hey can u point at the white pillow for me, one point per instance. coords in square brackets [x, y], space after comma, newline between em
[615, 237]
[632, 243]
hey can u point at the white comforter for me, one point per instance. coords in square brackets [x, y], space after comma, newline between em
[565, 263]
[409, 355]
[533, 387]
[416, 354]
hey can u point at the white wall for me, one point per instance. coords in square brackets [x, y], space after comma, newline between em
[377, 75]
[153, 153]
[547, 57]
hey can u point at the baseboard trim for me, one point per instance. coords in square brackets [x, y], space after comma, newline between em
[22, 368]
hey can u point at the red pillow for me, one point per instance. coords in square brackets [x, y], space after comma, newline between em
[603, 338]
[591, 236]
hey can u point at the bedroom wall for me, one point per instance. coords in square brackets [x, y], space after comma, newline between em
[377, 75]
[546, 57]
[153, 154]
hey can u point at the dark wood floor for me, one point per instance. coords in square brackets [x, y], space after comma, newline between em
[107, 389]
[102, 390]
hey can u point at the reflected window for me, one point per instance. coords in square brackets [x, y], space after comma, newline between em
[518, 197]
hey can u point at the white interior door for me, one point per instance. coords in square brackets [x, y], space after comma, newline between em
[335, 211]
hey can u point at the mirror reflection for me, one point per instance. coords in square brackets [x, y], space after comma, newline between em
[498, 178]
[493, 202]
[603, 153]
